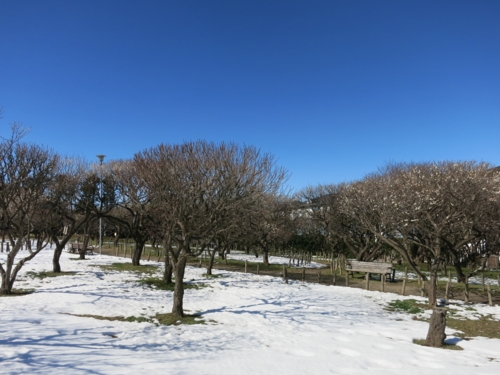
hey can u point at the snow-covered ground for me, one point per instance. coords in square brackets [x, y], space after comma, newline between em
[261, 326]
[472, 280]
[272, 259]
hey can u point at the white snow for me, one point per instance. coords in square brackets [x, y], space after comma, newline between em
[261, 326]
[251, 258]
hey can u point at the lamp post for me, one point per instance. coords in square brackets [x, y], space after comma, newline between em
[101, 158]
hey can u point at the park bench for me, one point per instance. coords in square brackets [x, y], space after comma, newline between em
[76, 247]
[384, 269]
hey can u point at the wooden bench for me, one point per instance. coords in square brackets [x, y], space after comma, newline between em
[76, 247]
[383, 269]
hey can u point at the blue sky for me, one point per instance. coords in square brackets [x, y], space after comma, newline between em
[334, 89]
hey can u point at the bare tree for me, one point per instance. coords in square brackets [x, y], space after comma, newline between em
[434, 207]
[196, 185]
[134, 208]
[324, 202]
[270, 224]
[25, 174]
[73, 201]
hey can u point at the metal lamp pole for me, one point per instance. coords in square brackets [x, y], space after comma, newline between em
[101, 158]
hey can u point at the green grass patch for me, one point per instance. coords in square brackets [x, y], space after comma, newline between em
[485, 326]
[445, 345]
[120, 267]
[78, 259]
[169, 319]
[165, 319]
[410, 306]
[140, 319]
[18, 292]
[45, 274]
[158, 283]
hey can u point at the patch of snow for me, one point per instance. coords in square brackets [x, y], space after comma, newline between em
[260, 326]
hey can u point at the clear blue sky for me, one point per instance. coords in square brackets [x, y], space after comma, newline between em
[334, 89]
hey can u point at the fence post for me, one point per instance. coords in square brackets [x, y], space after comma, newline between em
[404, 282]
[490, 300]
[466, 292]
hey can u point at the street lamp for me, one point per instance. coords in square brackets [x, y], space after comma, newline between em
[101, 158]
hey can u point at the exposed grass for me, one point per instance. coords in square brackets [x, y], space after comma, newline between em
[45, 274]
[147, 268]
[445, 345]
[140, 319]
[164, 319]
[485, 326]
[410, 306]
[169, 319]
[18, 292]
[78, 259]
[158, 283]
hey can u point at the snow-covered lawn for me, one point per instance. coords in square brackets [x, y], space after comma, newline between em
[272, 259]
[261, 326]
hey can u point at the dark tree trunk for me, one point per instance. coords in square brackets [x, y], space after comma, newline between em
[56, 265]
[180, 267]
[83, 250]
[265, 257]
[433, 284]
[437, 325]
[5, 288]
[136, 257]
[460, 273]
[167, 274]
[210, 262]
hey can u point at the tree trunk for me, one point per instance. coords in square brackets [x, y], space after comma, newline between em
[9, 271]
[82, 253]
[210, 262]
[167, 273]
[433, 285]
[5, 288]
[180, 267]
[265, 257]
[56, 266]
[460, 272]
[136, 257]
[437, 325]
[83, 250]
